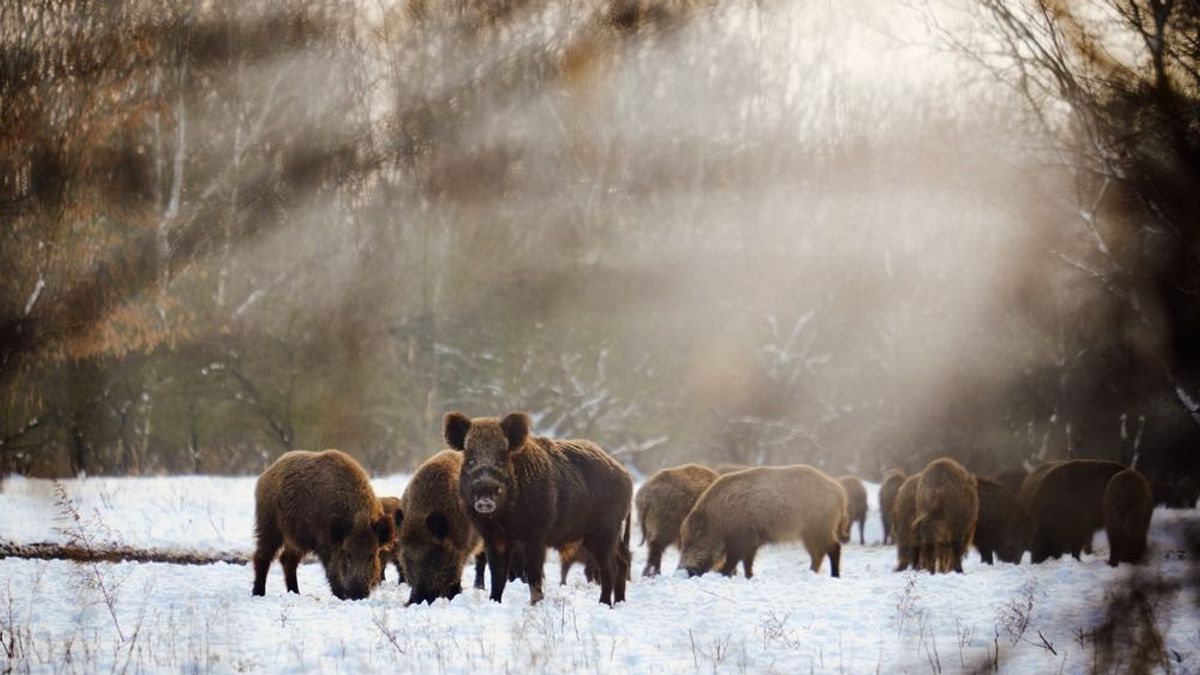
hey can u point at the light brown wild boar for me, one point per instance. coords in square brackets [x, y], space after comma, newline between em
[436, 537]
[947, 508]
[856, 504]
[741, 511]
[662, 504]
[320, 502]
[888, 489]
[1128, 506]
[904, 511]
[390, 553]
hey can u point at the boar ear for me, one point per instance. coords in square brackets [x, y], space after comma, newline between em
[385, 529]
[339, 529]
[438, 525]
[516, 429]
[696, 521]
[455, 426]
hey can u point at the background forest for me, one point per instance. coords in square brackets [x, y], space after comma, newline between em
[693, 231]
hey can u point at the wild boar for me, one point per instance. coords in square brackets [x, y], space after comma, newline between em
[741, 511]
[888, 489]
[436, 537]
[856, 504]
[1128, 506]
[320, 502]
[390, 553]
[1067, 505]
[1004, 528]
[662, 504]
[947, 508]
[904, 512]
[536, 492]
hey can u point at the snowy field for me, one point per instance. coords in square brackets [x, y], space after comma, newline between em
[65, 617]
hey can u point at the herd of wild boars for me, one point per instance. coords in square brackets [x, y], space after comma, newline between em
[501, 496]
[1057, 509]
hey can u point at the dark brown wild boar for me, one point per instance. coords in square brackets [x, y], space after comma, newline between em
[320, 502]
[741, 511]
[1032, 480]
[856, 504]
[662, 504]
[536, 492]
[888, 489]
[947, 508]
[1128, 506]
[436, 537]
[390, 553]
[904, 511]
[1067, 505]
[1004, 529]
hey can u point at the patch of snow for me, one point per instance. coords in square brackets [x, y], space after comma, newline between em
[785, 619]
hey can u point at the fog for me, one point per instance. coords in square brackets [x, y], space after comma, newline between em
[730, 232]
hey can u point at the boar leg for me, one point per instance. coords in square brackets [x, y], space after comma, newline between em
[835, 560]
[535, 563]
[985, 555]
[902, 557]
[621, 566]
[269, 541]
[497, 558]
[729, 567]
[603, 550]
[816, 554]
[290, 559]
[480, 566]
[654, 559]
[748, 563]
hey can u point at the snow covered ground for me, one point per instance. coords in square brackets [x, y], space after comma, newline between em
[65, 617]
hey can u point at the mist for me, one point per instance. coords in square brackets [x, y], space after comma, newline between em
[738, 232]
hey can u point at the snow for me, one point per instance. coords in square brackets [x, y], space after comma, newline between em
[785, 619]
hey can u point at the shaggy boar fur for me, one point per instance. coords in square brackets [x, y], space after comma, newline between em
[320, 502]
[904, 511]
[856, 504]
[947, 507]
[536, 492]
[390, 553]
[1066, 502]
[1004, 529]
[1128, 505]
[436, 537]
[662, 504]
[741, 511]
[888, 489]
